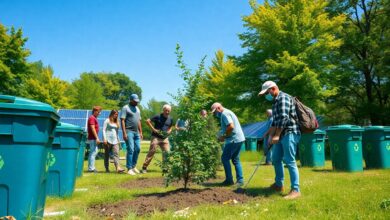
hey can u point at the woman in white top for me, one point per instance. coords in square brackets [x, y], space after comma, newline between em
[111, 140]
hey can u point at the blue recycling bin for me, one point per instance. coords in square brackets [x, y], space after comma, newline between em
[251, 144]
[376, 147]
[63, 160]
[26, 132]
[312, 149]
[81, 155]
[346, 147]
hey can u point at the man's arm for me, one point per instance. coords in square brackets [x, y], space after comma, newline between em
[140, 130]
[228, 132]
[123, 129]
[149, 123]
[94, 134]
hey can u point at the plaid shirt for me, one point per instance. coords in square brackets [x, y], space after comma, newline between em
[284, 114]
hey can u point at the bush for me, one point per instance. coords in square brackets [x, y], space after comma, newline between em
[195, 155]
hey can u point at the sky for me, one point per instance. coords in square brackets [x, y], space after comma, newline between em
[134, 37]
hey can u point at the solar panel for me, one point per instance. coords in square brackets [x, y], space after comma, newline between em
[255, 130]
[80, 118]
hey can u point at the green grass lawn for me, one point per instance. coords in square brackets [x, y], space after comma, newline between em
[326, 194]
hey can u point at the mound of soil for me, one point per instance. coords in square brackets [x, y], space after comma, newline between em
[172, 200]
[148, 183]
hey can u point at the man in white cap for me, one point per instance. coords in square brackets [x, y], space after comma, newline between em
[233, 136]
[132, 133]
[285, 135]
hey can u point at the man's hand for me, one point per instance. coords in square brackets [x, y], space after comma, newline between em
[221, 138]
[125, 136]
[97, 141]
[105, 142]
[141, 136]
[275, 139]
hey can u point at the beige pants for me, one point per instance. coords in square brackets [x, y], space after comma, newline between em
[164, 145]
[115, 151]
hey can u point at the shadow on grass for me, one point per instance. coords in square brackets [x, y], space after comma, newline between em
[323, 170]
[257, 191]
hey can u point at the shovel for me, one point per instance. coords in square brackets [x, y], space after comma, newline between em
[242, 190]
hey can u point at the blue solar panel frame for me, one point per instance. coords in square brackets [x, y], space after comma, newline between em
[80, 117]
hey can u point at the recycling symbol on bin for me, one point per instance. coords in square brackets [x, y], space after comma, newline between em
[51, 160]
[319, 147]
[356, 147]
[1, 162]
[387, 147]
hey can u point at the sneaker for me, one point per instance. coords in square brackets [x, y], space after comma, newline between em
[227, 183]
[276, 188]
[136, 170]
[240, 184]
[107, 170]
[144, 170]
[293, 194]
[92, 171]
[120, 170]
[131, 172]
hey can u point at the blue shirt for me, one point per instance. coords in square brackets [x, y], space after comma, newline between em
[237, 134]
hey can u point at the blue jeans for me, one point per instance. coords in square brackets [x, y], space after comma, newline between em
[133, 147]
[285, 150]
[232, 152]
[93, 150]
[268, 156]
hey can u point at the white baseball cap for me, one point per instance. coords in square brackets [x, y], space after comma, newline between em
[266, 86]
[215, 106]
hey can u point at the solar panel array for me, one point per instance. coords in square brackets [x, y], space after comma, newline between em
[255, 130]
[258, 129]
[80, 118]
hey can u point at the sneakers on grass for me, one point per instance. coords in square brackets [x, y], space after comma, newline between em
[293, 194]
[131, 172]
[144, 170]
[136, 170]
[276, 188]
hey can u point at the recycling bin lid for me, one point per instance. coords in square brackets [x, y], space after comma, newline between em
[319, 131]
[377, 128]
[66, 127]
[14, 102]
[345, 127]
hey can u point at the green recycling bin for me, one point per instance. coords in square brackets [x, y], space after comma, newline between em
[251, 144]
[311, 149]
[346, 147]
[376, 146]
[63, 160]
[26, 132]
[242, 146]
[80, 156]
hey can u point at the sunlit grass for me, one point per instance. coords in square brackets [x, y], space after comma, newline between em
[326, 194]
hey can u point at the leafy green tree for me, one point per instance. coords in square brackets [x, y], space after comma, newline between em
[194, 158]
[363, 70]
[220, 84]
[117, 88]
[44, 87]
[85, 92]
[14, 68]
[291, 43]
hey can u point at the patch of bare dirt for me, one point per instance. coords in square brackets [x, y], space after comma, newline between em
[172, 200]
[148, 183]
